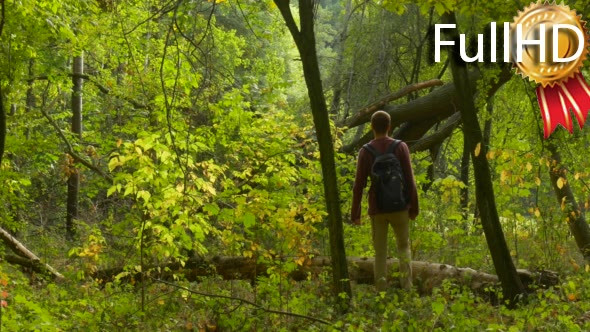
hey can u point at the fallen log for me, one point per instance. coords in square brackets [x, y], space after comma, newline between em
[364, 114]
[30, 260]
[29, 265]
[416, 117]
[438, 136]
[426, 275]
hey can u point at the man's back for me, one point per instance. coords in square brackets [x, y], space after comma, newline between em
[364, 164]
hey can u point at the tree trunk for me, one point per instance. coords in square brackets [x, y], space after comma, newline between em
[487, 131]
[436, 106]
[576, 219]
[431, 171]
[2, 110]
[364, 114]
[426, 275]
[2, 124]
[435, 139]
[30, 102]
[74, 179]
[464, 200]
[484, 191]
[19, 249]
[305, 41]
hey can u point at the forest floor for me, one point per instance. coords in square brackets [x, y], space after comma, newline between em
[275, 303]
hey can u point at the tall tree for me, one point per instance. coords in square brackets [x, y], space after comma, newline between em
[464, 200]
[74, 179]
[2, 110]
[484, 191]
[304, 38]
[30, 103]
[2, 124]
[576, 219]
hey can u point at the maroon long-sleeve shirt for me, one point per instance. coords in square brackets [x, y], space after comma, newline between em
[363, 170]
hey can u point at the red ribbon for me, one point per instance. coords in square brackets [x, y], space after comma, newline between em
[556, 101]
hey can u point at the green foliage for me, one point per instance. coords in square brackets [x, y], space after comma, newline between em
[198, 112]
[112, 306]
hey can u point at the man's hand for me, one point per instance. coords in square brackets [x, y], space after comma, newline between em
[355, 222]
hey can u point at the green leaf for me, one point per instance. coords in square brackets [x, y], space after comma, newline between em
[249, 220]
[212, 209]
[144, 194]
[128, 190]
[439, 8]
[111, 190]
[438, 307]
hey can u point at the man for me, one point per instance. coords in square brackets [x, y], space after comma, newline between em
[380, 221]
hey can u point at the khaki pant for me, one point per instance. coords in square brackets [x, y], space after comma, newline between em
[380, 224]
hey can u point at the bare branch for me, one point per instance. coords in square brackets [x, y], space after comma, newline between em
[70, 148]
[161, 12]
[364, 114]
[438, 136]
[247, 20]
[131, 54]
[416, 117]
[99, 86]
[242, 300]
[285, 9]
[30, 259]
[106, 91]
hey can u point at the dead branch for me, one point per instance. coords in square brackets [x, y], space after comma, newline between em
[71, 150]
[364, 114]
[30, 259]
[416, 117]
[438, 136]
[242, 300]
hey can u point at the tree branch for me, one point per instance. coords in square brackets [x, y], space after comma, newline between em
[242, 300]
[30, 260]
[71, 150]
[161, 12]
[99, 86]
[363, 115]
[2, 110]
[438, 136]
[417, 116]
[106, 91]
[285, 9]
[2, 124]
[408, 131]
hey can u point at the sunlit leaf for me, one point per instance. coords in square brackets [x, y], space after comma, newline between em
[560, 182]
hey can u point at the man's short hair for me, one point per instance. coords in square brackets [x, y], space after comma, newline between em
[380, 121]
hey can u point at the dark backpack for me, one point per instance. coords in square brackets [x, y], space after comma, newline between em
[388, 179]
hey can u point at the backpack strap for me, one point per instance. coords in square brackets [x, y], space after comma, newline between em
[391, 148]
[372, 150]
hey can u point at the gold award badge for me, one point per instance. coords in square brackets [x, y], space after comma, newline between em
[549, 46]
